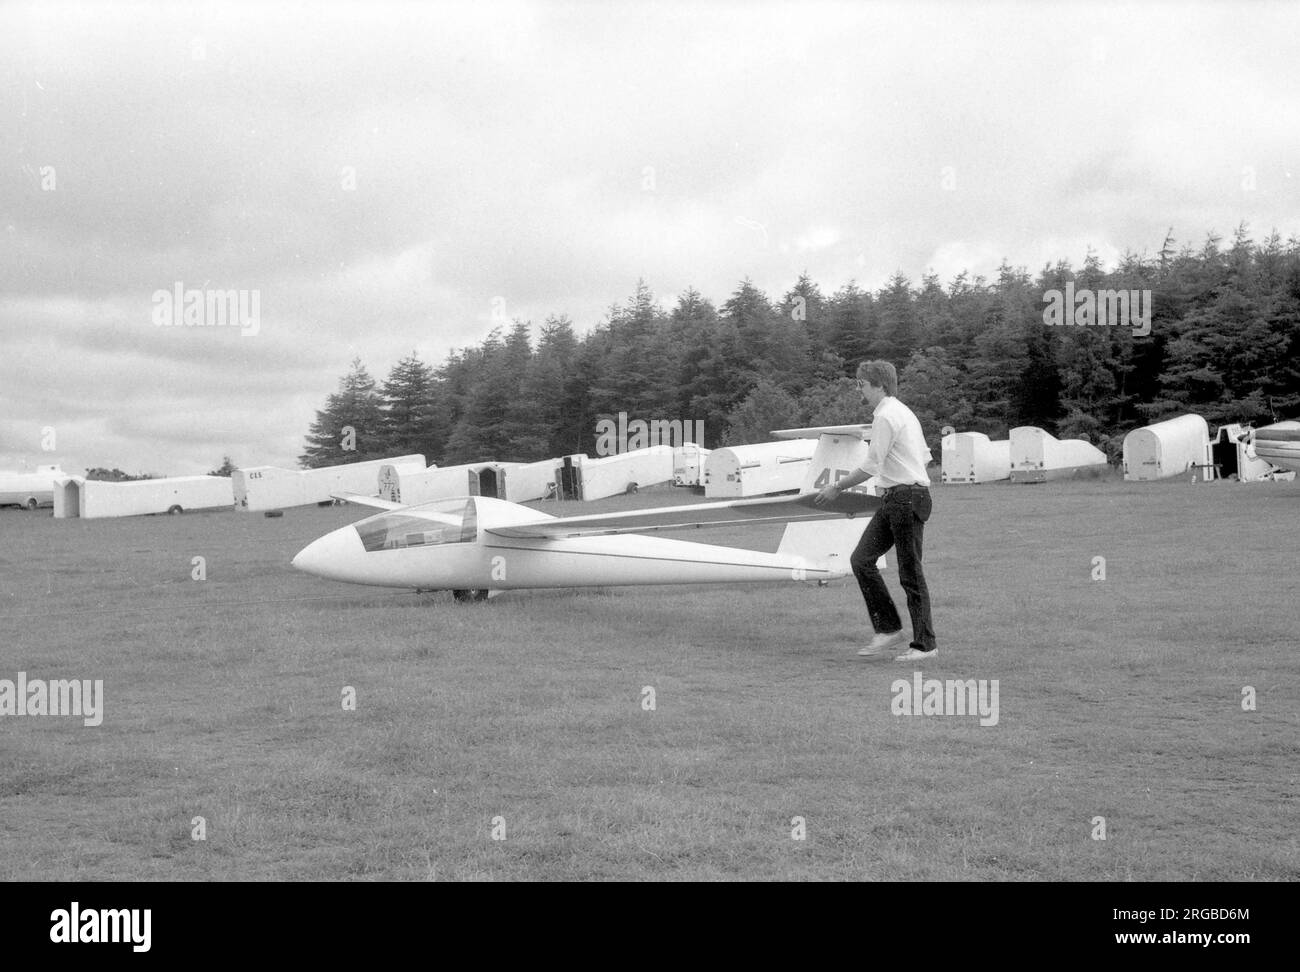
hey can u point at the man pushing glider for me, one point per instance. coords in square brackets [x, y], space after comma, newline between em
[898, 455]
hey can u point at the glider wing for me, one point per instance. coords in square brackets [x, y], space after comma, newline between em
[371, 501]
[765, 509]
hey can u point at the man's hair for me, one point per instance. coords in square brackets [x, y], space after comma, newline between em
[882, 374]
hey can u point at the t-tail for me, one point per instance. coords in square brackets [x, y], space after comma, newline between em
[840, 450]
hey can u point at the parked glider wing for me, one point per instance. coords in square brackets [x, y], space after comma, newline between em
[372, 501]
[767, 509]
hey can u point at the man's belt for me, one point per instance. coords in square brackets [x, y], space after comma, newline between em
[892, 489]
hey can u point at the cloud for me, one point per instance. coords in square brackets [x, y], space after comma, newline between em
[388, 175]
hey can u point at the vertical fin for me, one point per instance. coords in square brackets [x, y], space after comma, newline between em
[840, 450]
[826, 544]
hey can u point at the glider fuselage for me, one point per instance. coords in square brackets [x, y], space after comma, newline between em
[404, 549]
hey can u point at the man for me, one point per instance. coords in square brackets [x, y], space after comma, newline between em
[897, 455]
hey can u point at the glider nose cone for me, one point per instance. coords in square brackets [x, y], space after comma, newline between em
[336, 555]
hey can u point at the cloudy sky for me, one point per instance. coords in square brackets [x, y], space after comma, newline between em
[394, 177]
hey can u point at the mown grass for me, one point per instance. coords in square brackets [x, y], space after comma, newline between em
[1118, 698]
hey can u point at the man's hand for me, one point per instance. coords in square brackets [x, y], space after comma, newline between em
[827, 495]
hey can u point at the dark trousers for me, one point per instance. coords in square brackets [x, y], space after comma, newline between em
[899, 523]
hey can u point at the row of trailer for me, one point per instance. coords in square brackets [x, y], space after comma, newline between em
[1175, 447]
[738, 471]
[76, 496]
[1184, 445]
[1028, 455]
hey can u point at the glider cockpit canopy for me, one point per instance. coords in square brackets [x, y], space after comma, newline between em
[429, 524]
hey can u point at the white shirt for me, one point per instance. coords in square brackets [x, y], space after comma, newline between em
[898, 452]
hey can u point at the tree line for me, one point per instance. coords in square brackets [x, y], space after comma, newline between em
[975, 354]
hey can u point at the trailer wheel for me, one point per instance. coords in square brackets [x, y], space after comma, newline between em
[175, 511]
[31, 503]
[466, 597]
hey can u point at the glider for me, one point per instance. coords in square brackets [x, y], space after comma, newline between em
[473, 545]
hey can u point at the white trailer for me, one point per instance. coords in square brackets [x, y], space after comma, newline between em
[390, 478]
[420, 485]
[759, 469]
[1165, 449]
[1232, 455]
[1037, 456]
[971, 457]
[30, 489]
[526, 481]
[688, 464]
[581, 477]
[272, 488]
[94, 499]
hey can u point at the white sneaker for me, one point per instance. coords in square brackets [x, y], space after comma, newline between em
[913, 654]
[882, 643]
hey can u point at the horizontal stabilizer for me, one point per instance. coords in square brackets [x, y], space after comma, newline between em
[765, 509]
[861, 431]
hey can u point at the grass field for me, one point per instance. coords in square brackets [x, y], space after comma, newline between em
[1119, 698]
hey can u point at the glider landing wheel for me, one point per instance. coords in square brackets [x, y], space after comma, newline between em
[175, 511]
[31, 503]
[466, 597]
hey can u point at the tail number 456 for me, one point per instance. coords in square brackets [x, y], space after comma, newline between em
[824, 477]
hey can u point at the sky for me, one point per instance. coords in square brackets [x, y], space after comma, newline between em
[372, 179]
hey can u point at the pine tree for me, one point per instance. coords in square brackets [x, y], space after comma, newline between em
[351, 426]
[714, 374]
[477, 436]
[932, 386]
[768, 406]
[411, 424]
[835, 401]
[545, 391]
[899, 333]
[1036, 398]
[628, 372]
[804, 305]
[522, 435]
[851, 326]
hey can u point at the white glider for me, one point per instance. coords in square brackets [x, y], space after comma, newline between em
[475, 544]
